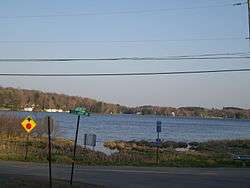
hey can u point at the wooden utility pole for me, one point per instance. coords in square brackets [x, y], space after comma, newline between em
[248, 2]
[248, 10]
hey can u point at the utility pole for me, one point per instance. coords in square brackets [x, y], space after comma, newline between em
[248, 3]
[248, 9]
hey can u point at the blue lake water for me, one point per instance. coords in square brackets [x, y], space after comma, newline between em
[138, 127]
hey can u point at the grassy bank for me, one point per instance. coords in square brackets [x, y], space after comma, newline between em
[207, 154]
[181, 154]
[62, 150]
[13, 141]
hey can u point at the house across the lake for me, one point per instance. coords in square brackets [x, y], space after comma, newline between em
[28, 109]
[53, 110]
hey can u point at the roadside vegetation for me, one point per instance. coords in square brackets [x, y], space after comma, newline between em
[181, 154]
[13, 141]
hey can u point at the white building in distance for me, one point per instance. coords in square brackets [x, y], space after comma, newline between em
[53, 110]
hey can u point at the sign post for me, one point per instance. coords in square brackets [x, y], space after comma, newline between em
[28, 124]
[77, 111]
[158, 141]
[27, 147]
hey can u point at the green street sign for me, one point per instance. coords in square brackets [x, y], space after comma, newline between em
[80, 111]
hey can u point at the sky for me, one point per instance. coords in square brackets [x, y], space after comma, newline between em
[174, 27]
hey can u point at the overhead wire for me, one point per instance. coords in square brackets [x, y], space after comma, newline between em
[122, 74]
[182, 57]
[119, 41]
[121, 12]
[173, 58]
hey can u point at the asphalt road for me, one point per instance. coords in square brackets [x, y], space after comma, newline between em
[138, 177]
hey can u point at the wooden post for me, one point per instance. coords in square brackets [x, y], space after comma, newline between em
[74, 154]
[49, 157]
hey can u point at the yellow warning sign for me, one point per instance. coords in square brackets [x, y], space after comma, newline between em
[28, 124]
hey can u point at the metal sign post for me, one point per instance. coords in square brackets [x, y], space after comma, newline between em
[27, 147]
[78, 111]
[28, 124]
[158, 130]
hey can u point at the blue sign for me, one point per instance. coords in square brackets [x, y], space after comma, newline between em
[158, 126]
[158, 140]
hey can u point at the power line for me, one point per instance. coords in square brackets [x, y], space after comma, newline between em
[215, 54]
[121, 41]
[239, 3]
[120, 12]
[122, 74]
[126, 59]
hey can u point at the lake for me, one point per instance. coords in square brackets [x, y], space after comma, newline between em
[139, 127]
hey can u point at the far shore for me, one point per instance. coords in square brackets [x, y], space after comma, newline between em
[117, 114]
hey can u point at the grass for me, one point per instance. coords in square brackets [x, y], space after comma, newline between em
[62, 150]
[205, 154]
[134, 153]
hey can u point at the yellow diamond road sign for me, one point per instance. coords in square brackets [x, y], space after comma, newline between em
[28, 124]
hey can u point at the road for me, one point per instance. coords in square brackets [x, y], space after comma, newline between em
[138, 177]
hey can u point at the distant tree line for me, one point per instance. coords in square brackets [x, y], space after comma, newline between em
[18, 99]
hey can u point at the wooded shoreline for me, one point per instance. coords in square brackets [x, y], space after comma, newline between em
[19, 99]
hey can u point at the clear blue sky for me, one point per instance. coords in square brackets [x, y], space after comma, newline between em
[213, 90]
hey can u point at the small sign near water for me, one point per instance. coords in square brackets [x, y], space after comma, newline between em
[90, 140]
[158, 126]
